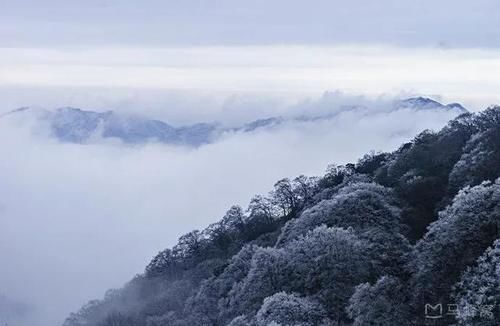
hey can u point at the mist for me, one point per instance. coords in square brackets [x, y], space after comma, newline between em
[79, 219]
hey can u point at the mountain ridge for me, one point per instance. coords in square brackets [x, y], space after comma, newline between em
[74, 125]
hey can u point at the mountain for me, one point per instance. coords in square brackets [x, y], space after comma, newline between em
[375, 242]
[423, 103]
[74, 125]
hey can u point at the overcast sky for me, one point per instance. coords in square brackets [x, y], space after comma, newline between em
[451, 23]
[299, 48]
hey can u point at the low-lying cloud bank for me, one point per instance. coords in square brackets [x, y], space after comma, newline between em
[79, 219]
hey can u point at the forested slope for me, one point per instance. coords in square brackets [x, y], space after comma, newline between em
[370, 243]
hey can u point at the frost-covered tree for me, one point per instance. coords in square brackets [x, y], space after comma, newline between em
[291, 310]
[291, 196]
[361, 206]
[335, 175]
[188, 245]
[479, 161]
[263, 207]
[212, 299]
[232, 279]
[462, 232]
[370, 210]
[327, 263]
[224, 237]
[419, 171]
[383, 304]
[304, 189]
[202, 308]
[161, 264]
[371, 162]
[477, 294]
[284, 197]
[264, 278]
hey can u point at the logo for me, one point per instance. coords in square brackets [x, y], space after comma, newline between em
[433, 311]
[439, 310]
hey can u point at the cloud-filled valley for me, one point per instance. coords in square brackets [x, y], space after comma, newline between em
[78, 219]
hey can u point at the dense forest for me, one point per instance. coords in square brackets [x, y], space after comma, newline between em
[403, 238]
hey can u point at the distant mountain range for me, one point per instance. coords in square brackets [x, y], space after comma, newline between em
[74, 125]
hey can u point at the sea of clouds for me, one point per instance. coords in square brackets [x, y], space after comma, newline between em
[76, 220]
